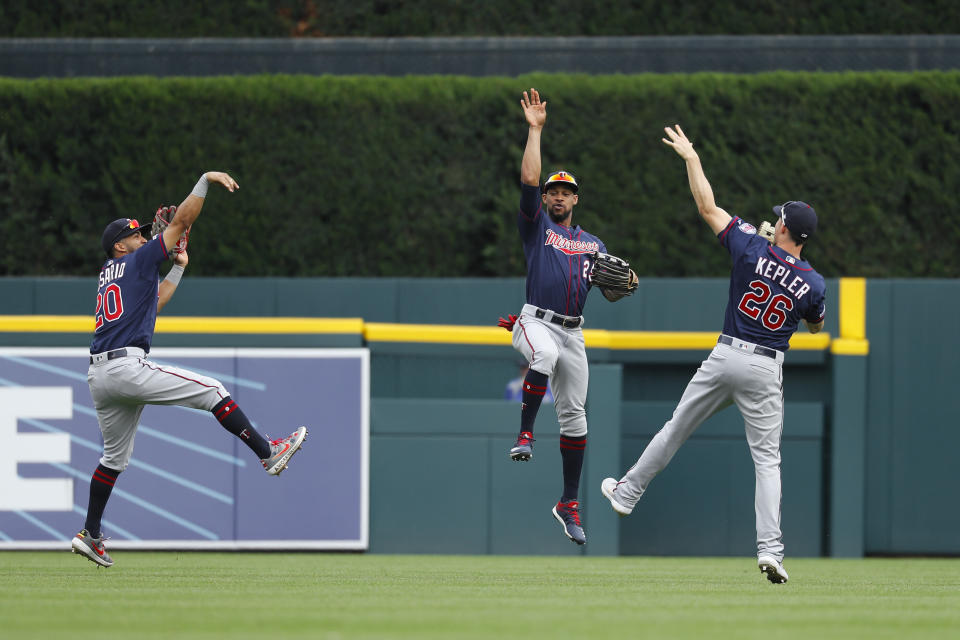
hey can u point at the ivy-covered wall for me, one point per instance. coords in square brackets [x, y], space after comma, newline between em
[378, 18]
[419, 176]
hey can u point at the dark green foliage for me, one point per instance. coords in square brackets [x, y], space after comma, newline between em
[142, 19]
[418, 176]
[298, 18]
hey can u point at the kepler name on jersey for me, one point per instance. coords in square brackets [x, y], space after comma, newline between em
[111, 272]
[781, 274]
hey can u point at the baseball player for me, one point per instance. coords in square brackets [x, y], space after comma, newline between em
[122, 380]
[771, 290]
[560, 258]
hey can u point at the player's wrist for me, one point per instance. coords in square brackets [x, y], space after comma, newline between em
[174, 275]
[200, 189]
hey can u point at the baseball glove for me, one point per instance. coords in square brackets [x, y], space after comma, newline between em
[613, 275]
[161, 220]
[766, 231]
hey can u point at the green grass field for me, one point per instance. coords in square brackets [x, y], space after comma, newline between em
[246, 595]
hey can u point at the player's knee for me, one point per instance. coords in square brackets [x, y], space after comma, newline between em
[573, 425]
[215, 396]
[116, 462]
[545, 361]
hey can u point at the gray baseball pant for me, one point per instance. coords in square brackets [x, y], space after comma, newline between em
[120, 388]
[731, 374]
[558, 353]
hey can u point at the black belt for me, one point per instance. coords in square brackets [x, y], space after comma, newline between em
[757, 349]
[116, 353]
[564, 321]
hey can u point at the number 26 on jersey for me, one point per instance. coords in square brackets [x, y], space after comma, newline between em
[758, 304]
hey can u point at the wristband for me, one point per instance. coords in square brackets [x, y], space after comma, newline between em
[174, 275]
[200, 189]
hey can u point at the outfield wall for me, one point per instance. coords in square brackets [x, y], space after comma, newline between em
[191, 487]
[865, 400]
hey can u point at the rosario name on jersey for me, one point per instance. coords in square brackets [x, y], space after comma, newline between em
[770, 290]
[127, 299]
[558, 257]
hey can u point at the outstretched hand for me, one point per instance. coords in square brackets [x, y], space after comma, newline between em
[678, 140]
[181, 258]
[218, 176]
[533, 110]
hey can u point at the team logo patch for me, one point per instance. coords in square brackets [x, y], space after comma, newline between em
[746, 227]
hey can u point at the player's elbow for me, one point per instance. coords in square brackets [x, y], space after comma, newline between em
[716, 219]
[814, 327]
[709, 211]
[530, 179]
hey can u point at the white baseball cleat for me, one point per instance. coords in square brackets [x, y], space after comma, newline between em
[609, 489]
[773, 569]
[282, 450]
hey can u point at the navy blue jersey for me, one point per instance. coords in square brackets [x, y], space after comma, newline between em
[558, 257]
[770, 290]
[127, 299]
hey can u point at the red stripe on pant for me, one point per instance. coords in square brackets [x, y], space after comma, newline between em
[152, 367]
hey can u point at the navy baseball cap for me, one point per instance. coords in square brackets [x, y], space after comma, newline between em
[798, 216]
[118, 230]
[561, 179]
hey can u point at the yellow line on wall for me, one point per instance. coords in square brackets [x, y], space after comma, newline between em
[594, 338]
[190, 324]
[183, 324]
[853, 308]
[853, 319]
[850, 347]
[435, 333]
[671, 340]
[410, 333]
[46, 324]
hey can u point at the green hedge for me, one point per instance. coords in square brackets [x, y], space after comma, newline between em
[281, 18]
[418, 176]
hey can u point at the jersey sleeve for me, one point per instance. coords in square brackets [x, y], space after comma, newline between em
[150, 256]
[817, 311]
[737, 236]
[529, 218]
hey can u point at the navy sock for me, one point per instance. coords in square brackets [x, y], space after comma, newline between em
[233, 420]
[534, 387]
[572, 450]
[101, 485]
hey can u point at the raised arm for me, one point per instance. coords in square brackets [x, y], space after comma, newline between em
[189, 209]
[169, 284]
[536, 114]
[715, 217]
